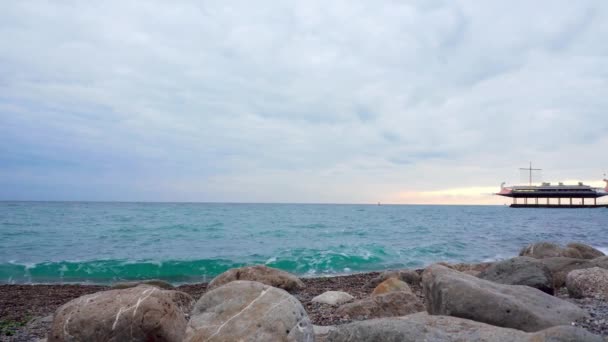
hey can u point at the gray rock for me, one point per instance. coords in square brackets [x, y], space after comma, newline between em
[333, 298]
[561, 266]
[520, 271]
[541, 250]
[409, 276]
[471, 269]
[322, 331]
[589, 282]
[248, 311]
[453, 293]
[141, 313]
[152, 282]
[260, 273]
[587, 252]
[390, 304]
[422, 327]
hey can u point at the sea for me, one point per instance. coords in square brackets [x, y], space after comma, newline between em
[101, 243]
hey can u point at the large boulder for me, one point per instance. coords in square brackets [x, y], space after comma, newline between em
[589, 282]
[390, 304]
[471, 269]
[541, 250]
[333, 298]
[142, 313]
[587, 252]
[561, 266]
[260, 273]
[520, 271]
[248, 311]
[453, 293]
[391, 285]
[422, 327]
[409, 276]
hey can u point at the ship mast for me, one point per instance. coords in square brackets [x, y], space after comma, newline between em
[530, 169]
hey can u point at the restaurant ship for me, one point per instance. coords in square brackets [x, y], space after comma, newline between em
[554, 196]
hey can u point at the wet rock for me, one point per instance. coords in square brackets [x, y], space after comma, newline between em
[422, 327]
[391, 304]
[142, 313]
[587, 252]
[248, 311]
[333, 298]
[520, 271]
[589, 282]
[453, 293]
[152, 282]
[409, 276]
[391, 285]
[541, 250]
[260, 273]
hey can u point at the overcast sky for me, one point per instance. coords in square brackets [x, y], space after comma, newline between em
[303, 101]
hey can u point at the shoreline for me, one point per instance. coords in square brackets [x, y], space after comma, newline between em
[29, 306]
[27, 309]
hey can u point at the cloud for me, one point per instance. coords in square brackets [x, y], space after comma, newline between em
[297, 101]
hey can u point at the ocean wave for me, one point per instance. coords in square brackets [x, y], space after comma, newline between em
[340, 260]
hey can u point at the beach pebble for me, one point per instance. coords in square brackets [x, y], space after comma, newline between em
[333, 298]
[590, 282]
[398, 303]
[260, 273]
[141, 313]
[520, 271]
[449, 292]
[391, 285]
[424, 327]
[248, 311]
[152, 282]
[541, 250]
[409, 276]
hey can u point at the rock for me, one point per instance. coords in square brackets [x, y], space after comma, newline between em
[260, 273]
[453, 293]
[422, 327]
[152, 282]
[409, 276]
[561, 266]
[333, 298]
[248, 311]
[471, 269]
[391, 304]
[587, 252]
[391, 285]
[541, 250]
[322, 331]
[589, 282]
[142, 313]
[520, 271]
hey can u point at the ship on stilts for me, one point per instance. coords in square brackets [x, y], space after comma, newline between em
[547, 195]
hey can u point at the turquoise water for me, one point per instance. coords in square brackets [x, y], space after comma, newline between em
[46, 242]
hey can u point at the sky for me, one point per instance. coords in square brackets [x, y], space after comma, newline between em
[299, 101]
